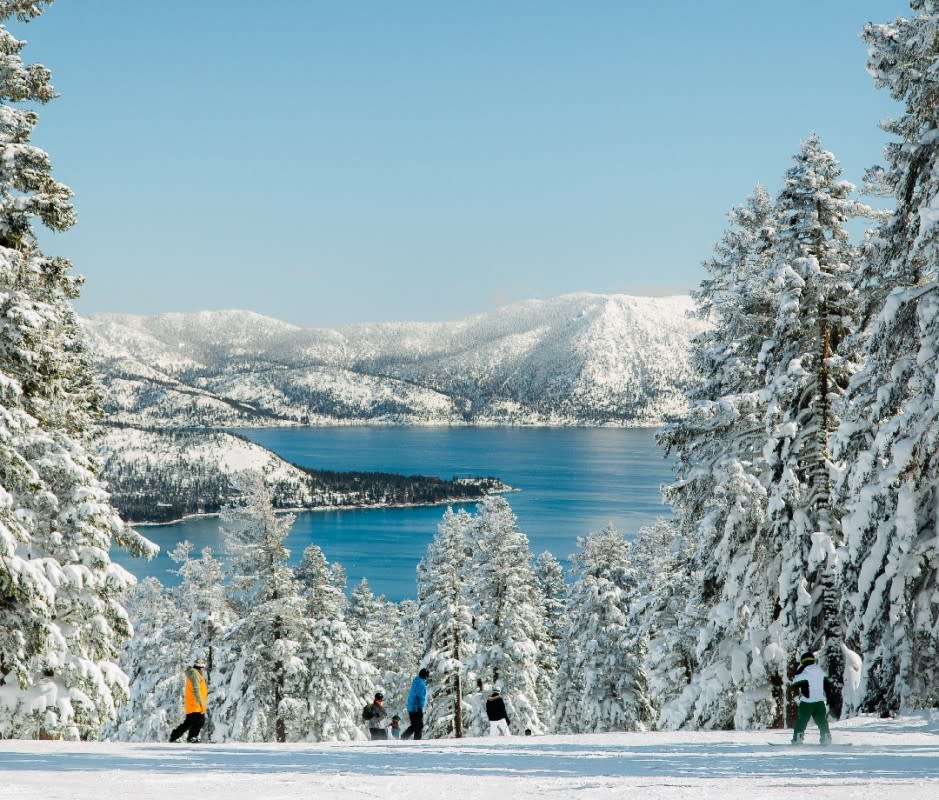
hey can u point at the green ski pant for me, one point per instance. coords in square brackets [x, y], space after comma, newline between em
[816, 711]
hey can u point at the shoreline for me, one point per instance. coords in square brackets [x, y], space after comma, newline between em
[315, 509]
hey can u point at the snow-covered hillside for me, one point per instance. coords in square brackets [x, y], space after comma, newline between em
[161, 476]
[581, 359]
[887, 759]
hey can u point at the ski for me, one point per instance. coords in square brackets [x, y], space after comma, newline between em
[810, 744]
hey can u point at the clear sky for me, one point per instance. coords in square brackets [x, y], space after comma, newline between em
[348, 161]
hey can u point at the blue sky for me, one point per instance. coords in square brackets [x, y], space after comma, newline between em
[344, 162]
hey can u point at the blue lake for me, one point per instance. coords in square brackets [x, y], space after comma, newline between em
[571, 481]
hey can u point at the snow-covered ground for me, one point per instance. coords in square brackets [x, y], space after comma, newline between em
[872, 758]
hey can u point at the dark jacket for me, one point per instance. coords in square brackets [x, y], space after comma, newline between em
[495, 708]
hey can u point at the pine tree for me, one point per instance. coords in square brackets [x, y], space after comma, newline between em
[807, 363]
[611, 693]
[510, 632]
[376, 624]
[267, 696]
[754, 489]
[660, 614]
[888, 439]
[338, 681]
[173, 626]
[553, 593]
[719, 498]
[446, 616]
[63, 622]
[362, 610]
[150, 658]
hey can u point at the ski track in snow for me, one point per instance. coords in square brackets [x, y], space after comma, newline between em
[886, 759]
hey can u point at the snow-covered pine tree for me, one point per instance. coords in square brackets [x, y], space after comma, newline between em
[206, 615]
[376, 623]
[172, 626]
[338, 682]
[63, 622]
[510, 631]
[601, 649]
[406, 655]
[550, 576]
[446, 618]
[662, 562]
[150, 659]
[718, 498]
[888, 439]
[361, 613]
[266, 697]
[807, 363]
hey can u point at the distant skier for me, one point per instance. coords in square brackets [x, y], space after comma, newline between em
[396, 727]
[195, 697]
[377, 717]
[810, 681]
[498, 718]
[417, 699]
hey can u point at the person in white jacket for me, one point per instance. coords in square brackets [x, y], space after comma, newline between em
[810, 682]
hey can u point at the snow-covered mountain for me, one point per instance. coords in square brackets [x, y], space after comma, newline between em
[579, 359]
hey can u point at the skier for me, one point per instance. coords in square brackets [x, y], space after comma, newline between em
[195, 696]
[417, 699]
[396, 727]
[811, 683]
[498, 718]
[378, 715]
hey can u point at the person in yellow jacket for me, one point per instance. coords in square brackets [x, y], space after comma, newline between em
[195, 696]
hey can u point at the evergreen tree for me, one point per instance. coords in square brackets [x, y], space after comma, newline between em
[172, 626]
[405, 656]
[361, 613]
[611, 693]
[807, 363]
[267, 695]
[660, 614]
[338, 681]
[376, 623]
[754, 487]
[719, 497]
[510, 632]
[446, 616]
[888, 439]
[63, 622]
[553, 593]
[150, 658]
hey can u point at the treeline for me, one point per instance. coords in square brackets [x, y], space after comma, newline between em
[162, 476]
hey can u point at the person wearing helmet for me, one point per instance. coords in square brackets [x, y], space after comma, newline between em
[195, 696]
[810, 681]
[417, 699]
[498, 717]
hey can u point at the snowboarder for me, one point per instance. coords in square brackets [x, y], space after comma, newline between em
[377, 717]
[498, 718]
[195, 696]
[417, 699]
[810, 681]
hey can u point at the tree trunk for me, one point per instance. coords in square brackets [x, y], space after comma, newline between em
[458, 689]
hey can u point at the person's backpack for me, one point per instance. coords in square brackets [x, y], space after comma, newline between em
[367, 713]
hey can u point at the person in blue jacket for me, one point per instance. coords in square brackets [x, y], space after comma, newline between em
[417, 700]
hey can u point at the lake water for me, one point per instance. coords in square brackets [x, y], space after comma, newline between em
[571, 481]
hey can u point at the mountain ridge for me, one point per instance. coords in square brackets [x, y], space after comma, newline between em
[579, 359]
